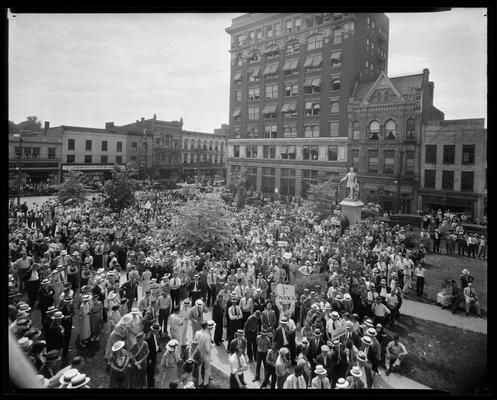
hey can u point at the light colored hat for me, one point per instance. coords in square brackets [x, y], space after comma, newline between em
[112, 295]
[368, 323]
[320, 370]
[63, 253]
[349, 324]
[24, 343]
[118, 345]
[187, 301]
[342, 384]
[327, 306]
[304, 340]
[100, 271]
[465, 271]
[211, 324]
[135, 310]
[356, 371]
[346, 296]
[87, 297]
[58, 315]
[325, 348]
[335, 315]
[371, 332]
[78, 381]
[199, 302]
[361, 356]
[65, 379]
[171, 345]
[367, 340]
[314, 306]
[284, 320]
[284, 351]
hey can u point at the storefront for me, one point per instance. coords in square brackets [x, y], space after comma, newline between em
[455, 203]
[102, 172]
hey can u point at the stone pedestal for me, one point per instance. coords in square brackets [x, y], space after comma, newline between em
[352, 210]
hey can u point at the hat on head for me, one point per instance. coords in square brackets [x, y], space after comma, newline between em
[118, 345]
[75, 253]
[25, 343]
[199, 302]
[327, 306]
[87, 297]
[52, 355]
[45, 281]
[320, 370]
[124, 300]
[112, 295]
[335, 342]
[284, 320]
[65, 379]
[284, 351]
[63, 253]
[368, 323]
[187, 301]
[349, 324]
[325, 348]
[465, 271]
[24, 308]
[78, 381]
[335, 315]
[371, 332]
[366, 340]
[50, 310]
[304, 340]
[378, 325]
[342, 384]
[355, 371]
[317, 332]
[240, 332]
[383, 281]
[100, 271]
[171, 345]
[314, 306]
[361, 356]
[156, 327]
[211, 324]
[346, 296]
[58, 315]
[135, 310]
[33, 334]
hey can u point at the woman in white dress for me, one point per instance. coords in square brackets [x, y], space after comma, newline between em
[169, 363]
[84, 320]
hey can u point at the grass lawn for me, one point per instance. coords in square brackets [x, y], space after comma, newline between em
[442, 357]
[442, 267]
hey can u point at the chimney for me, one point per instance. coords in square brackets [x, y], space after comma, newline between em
[47, 125]
[109, 125]
[431, 87]
[143, 119]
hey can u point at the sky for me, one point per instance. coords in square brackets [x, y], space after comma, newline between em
[88, 69]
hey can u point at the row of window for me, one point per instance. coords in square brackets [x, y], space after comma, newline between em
[289, 131]
[467, 180]
[289, 110]
[388, 161]
[290, 67]
[388, 131]
[203, 145]
[449, 154]
[308, 152]
[191, 158]
[89, 144]
[89, 159]
[34, 152]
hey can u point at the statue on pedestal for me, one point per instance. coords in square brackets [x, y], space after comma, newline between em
[352, 184]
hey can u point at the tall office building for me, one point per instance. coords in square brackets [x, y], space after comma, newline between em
[291, 79]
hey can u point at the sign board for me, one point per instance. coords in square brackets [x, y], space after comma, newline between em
[282, 243]
[285, 228]
[338, 332]
[277, 222]
[285, 293]
[90, 167]
[287, 255]
[254, 228]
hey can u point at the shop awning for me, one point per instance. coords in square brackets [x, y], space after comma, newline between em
[269, 109]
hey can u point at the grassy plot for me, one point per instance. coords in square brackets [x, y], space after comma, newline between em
[442, 357]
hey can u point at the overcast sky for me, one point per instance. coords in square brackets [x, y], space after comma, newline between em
[88, 69]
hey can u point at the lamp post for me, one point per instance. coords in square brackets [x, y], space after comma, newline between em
[19, 168]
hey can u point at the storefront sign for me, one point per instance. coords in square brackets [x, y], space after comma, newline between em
[90, 167]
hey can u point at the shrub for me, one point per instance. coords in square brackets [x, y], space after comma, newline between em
[310, 282]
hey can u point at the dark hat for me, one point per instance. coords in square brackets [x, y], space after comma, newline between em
[156, 327]
[52, 355]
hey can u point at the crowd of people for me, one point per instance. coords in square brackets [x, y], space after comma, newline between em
[82, 262]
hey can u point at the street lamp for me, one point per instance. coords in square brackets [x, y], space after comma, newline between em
[19, 168]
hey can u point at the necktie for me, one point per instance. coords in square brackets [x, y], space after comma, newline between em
[298, 383]
[322, 384]
[212, 278]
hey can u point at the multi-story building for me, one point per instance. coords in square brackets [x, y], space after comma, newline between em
[203, 154]
[454, 167]
[291, 78]
[385, 132]
[39, 154]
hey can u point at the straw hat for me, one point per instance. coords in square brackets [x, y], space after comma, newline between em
[118, 345]
[65, 379]
[320, 370]
[335, 315]
[211, 324]
[58, 315]
[284, 320]
[349, 324]
[78, 381]
[355, 371]
[52, 355]
[187, 302]
[112, 295]
[25, 343]
[199, 302]
[284, 351]
[361, 356]
[366, 340]
[325, 348]
[371, 332]
[342, 384]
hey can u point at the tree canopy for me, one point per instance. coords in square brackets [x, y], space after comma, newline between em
[322, 197]
[119, 191]
[73, 187]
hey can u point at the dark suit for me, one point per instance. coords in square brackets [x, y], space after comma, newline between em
[326, 363]
[314, 350]
[55, 337]
[278, 337]
[68, 312]
[233, 346]
[152, 359]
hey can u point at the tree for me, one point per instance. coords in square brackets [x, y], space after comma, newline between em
[322, 197]
[73, 187]
[13, 128]
[201, 223]
[119, 191]
[32, 124]
[238, 187]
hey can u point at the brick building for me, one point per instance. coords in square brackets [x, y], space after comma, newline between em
[291, 78]
[454, 167]
[385, 132]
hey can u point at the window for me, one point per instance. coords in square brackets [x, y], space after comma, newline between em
[237, 78]
[251, 36]
[391, 130]
[185, 158]
[291, 90]
[251, 174]
[388, 161]
[119, 147]
[447, 180]
[236, 133]
[269, 111]
[410, 162]
[268, 179]
[271, 92]
[449, 153]
[467, 181]
[289, 110]
[372, 24]
[254, 57]
[334, 128]
[410, 127]
[272, 52]
[51, 153]
[254, 74]
[88, 159]
[134, 158]
[236, 114]
[312, 86]
[332, 153]
[314, 42]
[216, 146]
[311, 131]
[103, 159]
[336, 59]
[88, 145]
[289, 25]
[355, 157]
[288, 152]
[236, 151]
[205, 145]
[253, 113]
[70, 158]
[287, 182]
[252, 132]
[251, 151]
[311, 109]
[289, 131]
[277, 29]
[268, 151]
[271, 71]
[298, 23]
[374, 130]
[290, 67]
[259, 34]
[222, 146]
[356, 132]
[238, 95]
[334, 107]
[373, 161]
[431, 154]
[309, 177]
[70, 144]
[254, 94]
[269, 31]
[292, 48]
[468, 153]
[309, 22]
[310, 152]
[337, 35]
[119, 159]
[104, 145]
[335, 83]
[210, 146]
[367, 67]
[371, 68]
[313, 63]
[270, 131]
[185, 144]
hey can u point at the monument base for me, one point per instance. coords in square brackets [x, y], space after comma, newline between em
[352, 210]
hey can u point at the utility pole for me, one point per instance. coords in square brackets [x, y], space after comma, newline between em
[19, 168]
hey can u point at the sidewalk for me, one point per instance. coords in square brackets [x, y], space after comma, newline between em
[436, 314]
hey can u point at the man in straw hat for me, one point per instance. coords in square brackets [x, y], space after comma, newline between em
[196, 316]
[154, 348]
[205, 347]
[394, 352]
[55, 337]
[296, 380]
[320, 381]
[342, 384]
[65, 379]
[281, 367]
[67, 310]
[354, 379]
[80, 381]
[238, 364]
[365, 367]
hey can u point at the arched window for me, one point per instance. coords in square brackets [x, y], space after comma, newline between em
[390, 130]
[374, 130]
[205, 144]
[335, 84]
[198, 144]
[410, 128]
[314, 42]
[355, 130]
